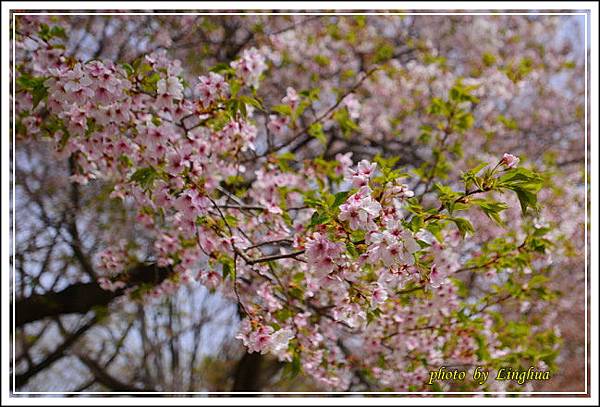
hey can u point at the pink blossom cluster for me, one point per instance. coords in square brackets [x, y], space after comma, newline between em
[250, 66]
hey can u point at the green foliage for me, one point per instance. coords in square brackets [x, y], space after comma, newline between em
[284, 110]
[33, 85]
[340, 198]
[460, 93]
[447, 196]
[223, 68]
[517, 71]
[47, 33]
[228, 266]
[492, 209]
[488, 59]
[525, 183]
[149, 83]
[342, 117]
[322, 60]
[383, 52]
[510, 124]
[251, 101]
[129, 70]
[318, 219]
[464, 226]
[145, 177]
[316, 130]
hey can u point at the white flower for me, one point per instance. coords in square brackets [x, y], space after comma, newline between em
[437, 277]
[509, 160]
[250, 66]
[379, 294]
[393, 247]
[363, 174]
[291, 99]
[360, 210]
[280, 341]
[211, 88]
[171, 86]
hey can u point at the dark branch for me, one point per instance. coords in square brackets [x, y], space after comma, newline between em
[107, 380]
[23, 378]
[81, 298]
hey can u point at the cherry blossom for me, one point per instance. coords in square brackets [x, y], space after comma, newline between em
[509, 160]
[360, 210]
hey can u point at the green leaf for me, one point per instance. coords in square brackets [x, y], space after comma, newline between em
[510, 124]
[284, 110]
[128, 68]
[311, 94]
[352, 249]
[295, 366]
[46, 33]
[492, 209]
[322, 60]
[384, 52]
[34, 85]
[316, 130]
[228, 267]
[222, 68]
[464, 226]
[342, 117]
[59, 32]
[525, 183]
[340, 198]
[144, 177]
[39, 93]
[461, 93]
[489, 59]
[447, 196]
[318, 219]
[251, 101]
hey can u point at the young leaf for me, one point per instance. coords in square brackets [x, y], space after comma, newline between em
[464, 226]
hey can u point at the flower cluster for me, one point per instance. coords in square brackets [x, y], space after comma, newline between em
[211, 88]
[250, 66]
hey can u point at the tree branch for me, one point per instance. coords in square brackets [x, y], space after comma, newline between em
[107, 380]
[80, 298]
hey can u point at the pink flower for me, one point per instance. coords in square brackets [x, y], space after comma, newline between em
[350, 313]
[360, 210]
[277, 125]
[353, 105]
[400, 192]
[170, 86]
[108, 285]
[363, 174]
[211, 88]
[78, 89]
[322, 253]
[344, 163]
[192, 204]
[279, 343]
[437, 277]
[176, 163]
[291, 99]
[379, 294]
[393, 247]
[240, 131]
[509, 160]
[250, 66]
